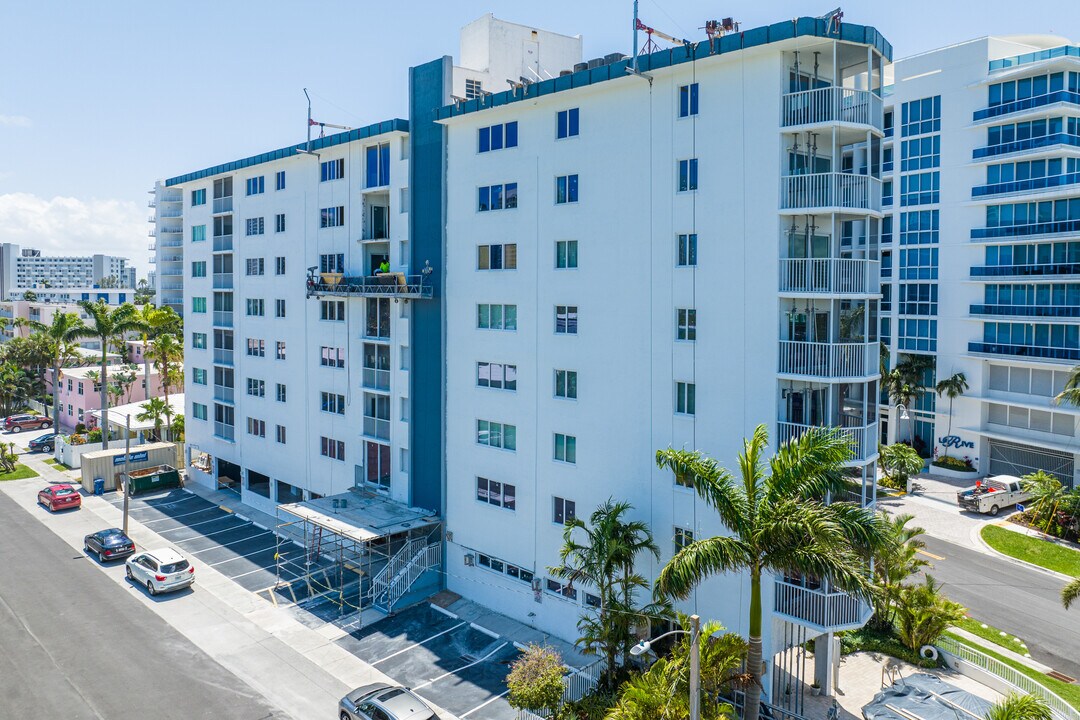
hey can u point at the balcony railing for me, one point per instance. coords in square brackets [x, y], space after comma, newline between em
[1031, 185]
[168, 272]
[223, 281]
[864, 440]
[829, 276]
[385, 285]
[376, 379]
[1034, 351]
[171, 258]
[172, 243]
[1047, 311]
[222, 243]
[224, 432]
[830, 190]
[167, 214]
[1055, 227]
[1058, 96]
[170, 231]
[171, 286]
[376, 428]
[152, 247]
[980, 271]
[829, 360]
[223, 318]
[223, 205]
[224, 394]
[824, 610]
[152, 232]
[1035, 143]
[223, 357]
[832, 104]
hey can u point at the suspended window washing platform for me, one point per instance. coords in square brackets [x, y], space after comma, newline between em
[362, 550]
[387, 284]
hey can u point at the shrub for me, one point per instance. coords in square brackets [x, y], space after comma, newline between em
[535, 681]
[94, 436]
[80, 428]
[77, 439]
[923, 613]
[900, 461]
[952, 463]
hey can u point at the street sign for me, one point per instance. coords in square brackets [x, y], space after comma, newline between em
[1019, 507]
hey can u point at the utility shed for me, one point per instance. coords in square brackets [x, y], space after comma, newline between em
[108, 464]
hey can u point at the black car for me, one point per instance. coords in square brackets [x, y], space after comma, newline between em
[45, 443]
[111, 544]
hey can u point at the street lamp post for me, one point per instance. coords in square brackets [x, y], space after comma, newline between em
[905, 415]
[695, 661]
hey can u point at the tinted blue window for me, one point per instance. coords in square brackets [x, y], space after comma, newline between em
[485, 139]
[372, 165]
[688, 100]
[484, 201]
[568, 123]
[384, 164]
[511, 134]
[496, 137]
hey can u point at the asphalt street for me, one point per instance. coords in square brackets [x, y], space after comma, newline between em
[77, 645]
[1017, 599]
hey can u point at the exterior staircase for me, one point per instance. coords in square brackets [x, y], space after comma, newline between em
[402, 570]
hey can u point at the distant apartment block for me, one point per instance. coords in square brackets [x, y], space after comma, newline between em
[27, 268]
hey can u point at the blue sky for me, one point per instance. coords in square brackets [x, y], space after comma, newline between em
[99, 99]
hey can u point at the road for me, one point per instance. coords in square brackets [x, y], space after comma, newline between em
[67, 653]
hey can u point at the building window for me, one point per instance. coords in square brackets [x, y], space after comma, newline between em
[496, 493]
[686, 320]
[567, 123]
[256, 185]
[279, 222]
[497, 137]
[683, 537]
[566, 384]
[688, 100]
[497, 376]
[687, 250]
[566, 317]
[496, 257]
[279, 266]
[198, 197]
[256, 388]
[332, 170]
[198, 341]
[198, 233]
[256, 427]
[684, 398]
[332, 357]
[565, 254]
[281, 434]
[281, 393]
[473, 89]
[565, 448]
[199, 411]
[920, 116]
[198, 269]
[332, 217]
[256, 266]
[920, 153]
[279, 180]
[496, 317]
[256, 348]
[333, 310]
[333, 403]
[688, 175]
[496, 435]
[280, 349]
[497, 197]
[566, 189]
[279, 308]
[198, 376]
[920, 188]
[563, 511]
[255, 226]
[377, 160]
[256, 307]
[333, 449]
[198, 304]
[80, 388]
[332, 263]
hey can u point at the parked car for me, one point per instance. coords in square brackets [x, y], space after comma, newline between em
[384, 702]
[44, 444]
[992, 494]
[18, 423]
[60, 497]
[111, 544]
[162, 570]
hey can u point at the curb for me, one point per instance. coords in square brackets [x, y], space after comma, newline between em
[977, 536]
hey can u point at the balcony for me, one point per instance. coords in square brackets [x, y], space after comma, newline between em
[821, 610]
[1032, 103]
[376, 428]
[172, 243]
[152, 232]
[223, 357]
[169, 272]
[224, 432]
[223, 243]
[170, 214]
[151, 203]
[224, 394]
[1026, 186]
[170, 231]
[222, 205]
[1050, 269]
[1043, 311]
[1035, 143]
[1025, 351]
[223, 281]
[375, 379]
[828, 360]
[223, 318]
[864, 439]
[829, 276]
[386, 285]
[830, 192]
[832, 105]
[152, 247]
[1055, 227]
[171, 258]
[171, 286]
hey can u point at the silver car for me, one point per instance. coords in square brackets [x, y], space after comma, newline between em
[384, 702]
[160, 570]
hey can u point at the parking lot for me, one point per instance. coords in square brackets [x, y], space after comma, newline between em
[442, 658]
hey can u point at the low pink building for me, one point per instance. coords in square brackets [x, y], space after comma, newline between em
[79, 394]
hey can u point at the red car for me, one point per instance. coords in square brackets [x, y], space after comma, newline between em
[60, 497]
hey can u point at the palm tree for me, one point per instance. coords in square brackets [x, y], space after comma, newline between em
[1070, 593]
[15, 388]
[1047, 496]
[153, 410]
[894, 563]
[952, 387]
[167, 353]
[1020, 707]
[108, 324]
[779, 525]
[905, 383]
[156, 320]
[61, 340]
[1070, 395]
[124, 379]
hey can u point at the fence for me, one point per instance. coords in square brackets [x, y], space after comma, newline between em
[965, 659]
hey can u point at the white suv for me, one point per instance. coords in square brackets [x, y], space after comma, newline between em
[160, 570]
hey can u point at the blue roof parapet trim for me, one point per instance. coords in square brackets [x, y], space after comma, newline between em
[380, 128]
[1033, 57]
[800, 27]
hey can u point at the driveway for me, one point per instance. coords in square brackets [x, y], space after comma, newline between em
[933, 503]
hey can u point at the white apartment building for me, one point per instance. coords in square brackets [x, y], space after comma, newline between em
[167, 246]
[27, 268]
[982, 249]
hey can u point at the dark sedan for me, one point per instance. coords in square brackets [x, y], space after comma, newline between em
[45, 443]
[111, 544]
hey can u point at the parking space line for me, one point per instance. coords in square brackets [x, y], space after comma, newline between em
[216, 532]
[417, 644]
[489, 633]
[444, 611]
[183, 527]
[486, 703]
[464, 667]
[237, 557]
[173, 517]
[234, 542]
[258, 569]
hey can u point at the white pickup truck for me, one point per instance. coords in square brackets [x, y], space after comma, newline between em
[992, 494]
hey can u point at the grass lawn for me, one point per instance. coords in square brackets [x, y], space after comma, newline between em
[1066, 691]
[57, 464]
[992, 634]
[21, 472]
[1033, 550]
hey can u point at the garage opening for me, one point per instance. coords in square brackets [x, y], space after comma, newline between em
[228, 476]
[1008, 458]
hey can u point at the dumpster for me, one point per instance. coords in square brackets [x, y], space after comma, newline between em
[159, 477]
[99, 486]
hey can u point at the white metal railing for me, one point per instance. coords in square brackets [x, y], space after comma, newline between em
[832, 104]
[830, 190]
[966, 654]
[393, 566]
[831, 360]
[830, 275]
[820, 608]
[430, 556]
[223, 205]
[864, 439]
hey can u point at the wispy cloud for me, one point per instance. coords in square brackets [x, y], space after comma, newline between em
[68, 225]
[15, 121]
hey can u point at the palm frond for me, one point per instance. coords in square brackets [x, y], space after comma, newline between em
[1070, 593]
[713, 484]
[699, 560]
[810, 466]
[1020, 707]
